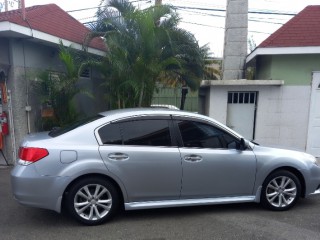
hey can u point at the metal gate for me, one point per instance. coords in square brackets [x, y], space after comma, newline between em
[241, 112]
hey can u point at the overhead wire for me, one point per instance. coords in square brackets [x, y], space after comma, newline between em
[209, 10]
[263, 12]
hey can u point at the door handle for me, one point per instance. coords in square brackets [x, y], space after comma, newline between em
[118, 156]
[193, 158]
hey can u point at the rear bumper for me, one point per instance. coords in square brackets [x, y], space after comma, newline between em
[31, 189]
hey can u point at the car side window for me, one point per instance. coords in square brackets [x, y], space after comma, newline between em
[110, 134]
[147, 132]
[201, 135]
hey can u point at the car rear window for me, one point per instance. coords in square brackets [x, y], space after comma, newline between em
[59, 131]
[146, 132]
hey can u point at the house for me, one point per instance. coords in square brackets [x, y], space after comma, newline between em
[31, 45]
[281, 106]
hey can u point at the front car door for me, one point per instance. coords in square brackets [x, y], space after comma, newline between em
[141, 153]
[212, 165]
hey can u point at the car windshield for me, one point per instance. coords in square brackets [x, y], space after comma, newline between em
[59, 131]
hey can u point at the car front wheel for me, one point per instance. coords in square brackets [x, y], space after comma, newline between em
[92, 201]
[280, 191]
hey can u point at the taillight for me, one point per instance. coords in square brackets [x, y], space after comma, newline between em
[30, 155]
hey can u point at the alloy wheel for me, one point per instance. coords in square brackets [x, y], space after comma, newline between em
[281, 191]
[92, 202]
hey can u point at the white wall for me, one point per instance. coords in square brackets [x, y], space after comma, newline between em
[282, 118]
[282, 113]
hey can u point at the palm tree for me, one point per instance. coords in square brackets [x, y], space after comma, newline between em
[145, 47]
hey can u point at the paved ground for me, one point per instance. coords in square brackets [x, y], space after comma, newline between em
[239, 221]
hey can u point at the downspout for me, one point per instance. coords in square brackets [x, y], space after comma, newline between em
[27, 87]
[28, 109]
[11, 122]
[13, 136]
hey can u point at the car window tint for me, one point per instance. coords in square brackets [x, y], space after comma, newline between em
[110, 134]
[201, 135]
[146, 132]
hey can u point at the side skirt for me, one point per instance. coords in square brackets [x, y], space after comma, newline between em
[187, 202]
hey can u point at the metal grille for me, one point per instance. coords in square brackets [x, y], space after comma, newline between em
[242, 97]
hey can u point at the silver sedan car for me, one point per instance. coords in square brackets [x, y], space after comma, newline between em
[155, 158]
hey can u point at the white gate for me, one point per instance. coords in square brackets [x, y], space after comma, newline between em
[241, 113]
[313, 142]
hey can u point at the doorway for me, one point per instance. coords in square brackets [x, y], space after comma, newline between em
[241, 113]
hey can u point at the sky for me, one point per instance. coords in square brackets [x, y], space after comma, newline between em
[207, 25]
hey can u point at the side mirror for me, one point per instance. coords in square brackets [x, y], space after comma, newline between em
[243, 144]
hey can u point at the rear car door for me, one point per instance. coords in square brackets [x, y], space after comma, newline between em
[142, 154]
[212, 165]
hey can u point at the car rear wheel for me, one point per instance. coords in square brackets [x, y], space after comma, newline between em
[280, 191]
[92, 201]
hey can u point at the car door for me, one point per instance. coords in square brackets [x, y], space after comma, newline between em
[212, 165]
[141, 153]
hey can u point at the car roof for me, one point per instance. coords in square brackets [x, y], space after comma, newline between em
[164, 106]
[122, 114]
[147, 111]
[137, 112]
[131, 112]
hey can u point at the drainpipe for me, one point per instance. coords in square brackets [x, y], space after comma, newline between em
[12, 129]
[9, 108]
[28, 108]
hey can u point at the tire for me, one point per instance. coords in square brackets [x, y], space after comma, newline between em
[280, 191]
[92, 201]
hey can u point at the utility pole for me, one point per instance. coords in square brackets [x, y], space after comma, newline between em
[235, 41]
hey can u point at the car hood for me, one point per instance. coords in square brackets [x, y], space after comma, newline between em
[278, 153]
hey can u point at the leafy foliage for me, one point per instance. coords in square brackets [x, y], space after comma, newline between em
[145, 47]
[58, 90]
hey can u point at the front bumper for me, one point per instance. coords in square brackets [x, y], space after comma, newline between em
[313, 181]
[316, 192]
[32, 189]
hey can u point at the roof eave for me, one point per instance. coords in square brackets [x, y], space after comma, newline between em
[282, 51]
[32, 33]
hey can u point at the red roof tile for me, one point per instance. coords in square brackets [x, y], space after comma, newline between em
[52, 20]
[301, 31]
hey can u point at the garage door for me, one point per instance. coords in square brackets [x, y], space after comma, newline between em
[313, 142]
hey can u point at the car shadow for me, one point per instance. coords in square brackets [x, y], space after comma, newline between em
[175, 212]
[47, 218]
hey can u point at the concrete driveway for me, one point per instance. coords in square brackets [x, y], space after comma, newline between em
[239, 221]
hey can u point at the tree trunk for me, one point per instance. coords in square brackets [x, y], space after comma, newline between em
[141, 95]
[184, 92]
[118, 101]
